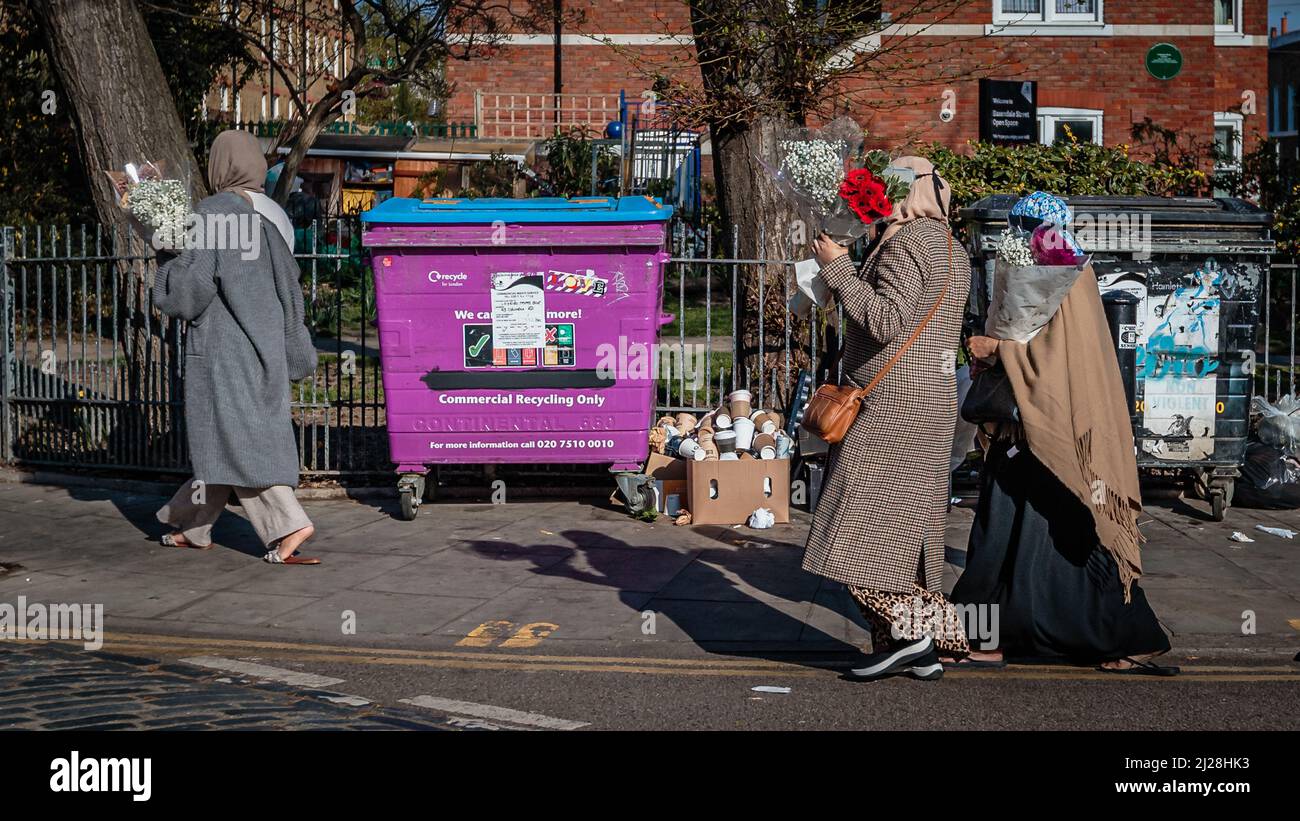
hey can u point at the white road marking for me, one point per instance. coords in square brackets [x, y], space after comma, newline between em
[263, 671]
[351, 701]
[469, 708]
[472, 724]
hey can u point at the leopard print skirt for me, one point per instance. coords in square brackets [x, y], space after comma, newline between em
[908, 616]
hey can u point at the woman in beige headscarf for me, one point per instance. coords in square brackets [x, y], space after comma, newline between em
[244, 343]
[879, 525]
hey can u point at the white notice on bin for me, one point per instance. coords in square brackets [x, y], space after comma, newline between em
[518, 311]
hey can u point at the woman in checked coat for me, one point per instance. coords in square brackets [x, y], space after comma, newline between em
[879, 527]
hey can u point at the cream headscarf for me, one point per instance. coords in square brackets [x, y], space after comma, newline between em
[236, 163]
[928, 197]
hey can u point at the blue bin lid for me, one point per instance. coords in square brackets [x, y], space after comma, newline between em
[461, 211]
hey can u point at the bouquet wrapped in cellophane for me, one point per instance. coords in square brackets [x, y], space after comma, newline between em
[159, 205]
[1032, 273]
[836, 188]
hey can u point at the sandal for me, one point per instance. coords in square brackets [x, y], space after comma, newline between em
[273, 557]
[1141, 668]
[169, 540]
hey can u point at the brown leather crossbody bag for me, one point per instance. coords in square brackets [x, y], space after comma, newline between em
[832, 408]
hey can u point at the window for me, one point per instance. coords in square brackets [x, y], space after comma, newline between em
[1047, 11]
[1227, 16]
[225, 98]
[1056, 124]
[275, 107]
[264, 112]
[1227, 141]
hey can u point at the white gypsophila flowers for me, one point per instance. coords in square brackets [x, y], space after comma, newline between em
[816, 167]
[1013, 247]
[162, 205]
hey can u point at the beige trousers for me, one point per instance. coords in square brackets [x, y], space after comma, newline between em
[273, 511]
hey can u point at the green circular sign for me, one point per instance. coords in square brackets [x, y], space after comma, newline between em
[1164, 61]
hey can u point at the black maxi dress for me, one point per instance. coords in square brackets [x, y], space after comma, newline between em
[1034, 553]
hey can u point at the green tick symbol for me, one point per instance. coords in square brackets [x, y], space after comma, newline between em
[477, 347]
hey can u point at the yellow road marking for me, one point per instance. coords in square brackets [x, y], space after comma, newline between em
[485, 634]
[530, 635]
[656, 666]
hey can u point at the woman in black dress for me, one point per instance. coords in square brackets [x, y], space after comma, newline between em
[1054, 545]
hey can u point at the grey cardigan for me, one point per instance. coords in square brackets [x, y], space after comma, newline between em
[245, 342]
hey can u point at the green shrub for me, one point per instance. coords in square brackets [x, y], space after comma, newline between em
[1068, 168]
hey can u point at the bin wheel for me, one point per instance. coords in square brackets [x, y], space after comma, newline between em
[431, 486]
[410, 506]
[1218, 503]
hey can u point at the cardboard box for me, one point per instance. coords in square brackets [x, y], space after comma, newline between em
[742, 486]
[664, 468]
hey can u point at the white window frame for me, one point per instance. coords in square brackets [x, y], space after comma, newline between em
[1048, 117]
[1019, 23]
[1235, 26]
[1237, 123]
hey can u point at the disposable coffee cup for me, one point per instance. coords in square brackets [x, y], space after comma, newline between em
[705, 435]
[671, 429]
[784, 444]
[763, 422]
[710, 450]
[726, 441]
[740, 403]
[691, 450]
[768, 452]
[722, 418]
[728, 457]
[666, 421]
[764, 440]
[686, 423]
[744, 429]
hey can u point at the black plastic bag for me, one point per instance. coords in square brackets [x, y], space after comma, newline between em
[1269, 479]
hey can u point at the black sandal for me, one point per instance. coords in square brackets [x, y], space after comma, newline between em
[1141, 668]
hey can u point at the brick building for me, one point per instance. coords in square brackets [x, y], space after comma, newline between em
[1088, 58]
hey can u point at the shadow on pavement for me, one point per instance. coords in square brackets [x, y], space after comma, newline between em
[608, 560]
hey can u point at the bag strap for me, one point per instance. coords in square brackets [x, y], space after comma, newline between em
[862, 393]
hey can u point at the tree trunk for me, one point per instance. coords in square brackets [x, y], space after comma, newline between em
[122, 109]
[768, 227]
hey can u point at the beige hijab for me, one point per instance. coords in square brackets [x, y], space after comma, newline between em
[236, 163]
[922, 200]
[1075, 415]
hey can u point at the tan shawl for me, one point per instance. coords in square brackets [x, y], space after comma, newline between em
[1075, 415]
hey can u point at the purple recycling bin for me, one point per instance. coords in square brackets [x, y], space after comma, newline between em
[517, 330]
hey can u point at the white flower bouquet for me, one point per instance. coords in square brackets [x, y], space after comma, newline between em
[159, 205]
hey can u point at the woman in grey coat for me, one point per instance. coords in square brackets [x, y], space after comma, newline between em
[245, 342]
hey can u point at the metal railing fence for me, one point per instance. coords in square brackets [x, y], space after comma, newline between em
[92, 375]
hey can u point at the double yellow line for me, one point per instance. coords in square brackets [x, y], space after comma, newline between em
[490, 659]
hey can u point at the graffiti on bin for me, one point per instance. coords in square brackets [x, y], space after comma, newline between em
[1187, 321]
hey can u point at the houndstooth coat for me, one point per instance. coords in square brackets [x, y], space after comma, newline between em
[881, 517]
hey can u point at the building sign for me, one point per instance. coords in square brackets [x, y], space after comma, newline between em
[1164, 61]
[1009, 112]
